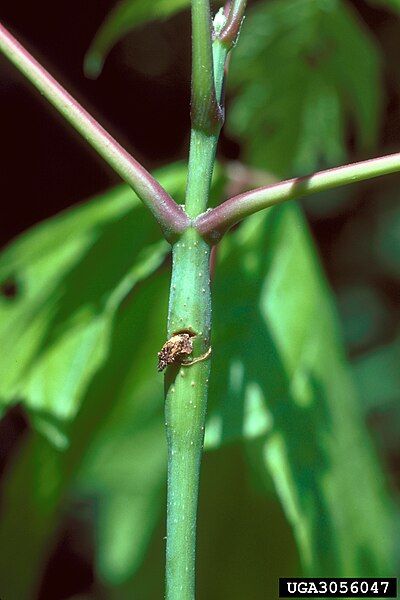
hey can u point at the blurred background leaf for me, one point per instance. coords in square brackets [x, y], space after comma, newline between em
[112, 416]
[383, 391]
[281, 383]
[36, 484]
[59, 299]
[64, 296]
[293, 117]
[126, 15]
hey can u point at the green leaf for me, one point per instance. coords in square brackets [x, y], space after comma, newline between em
[125, 467]
[363, 314]
[79, 331]
[94, 406]
[127, 476]
[302, 71]
[280, 381]
[228, 495]
[126, 15]
[119, 434]
[378, 377]
[31, 490]
[71, 274]
[120, 412]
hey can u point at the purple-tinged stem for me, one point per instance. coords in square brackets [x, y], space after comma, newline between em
[170, 215]
[214, 223]
[231, 30]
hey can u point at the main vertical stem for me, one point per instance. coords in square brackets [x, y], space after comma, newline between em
[186, 387]
[185, 411]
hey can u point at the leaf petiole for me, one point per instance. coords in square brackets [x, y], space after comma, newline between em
[169, 215]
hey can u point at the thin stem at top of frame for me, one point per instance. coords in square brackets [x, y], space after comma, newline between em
[205, 112]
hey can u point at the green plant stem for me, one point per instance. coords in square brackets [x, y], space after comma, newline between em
[170, 216]
[185, 410]
[205, 111]
[190, 310]
[186, 388]
[203, 147]
[213, 224]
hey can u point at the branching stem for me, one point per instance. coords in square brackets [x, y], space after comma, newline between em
[213, 224]
[170, 216]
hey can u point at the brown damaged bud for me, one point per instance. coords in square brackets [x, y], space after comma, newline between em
[174, 350]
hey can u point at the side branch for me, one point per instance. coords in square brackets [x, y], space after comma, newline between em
[231, 30]
[170, 216]
[214, 223]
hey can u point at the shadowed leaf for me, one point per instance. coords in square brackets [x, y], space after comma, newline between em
[80, 329]
[93, 273]
[71, 274]
[280, 381]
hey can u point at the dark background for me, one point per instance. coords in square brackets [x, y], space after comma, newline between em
[148, 113]
[142, 97]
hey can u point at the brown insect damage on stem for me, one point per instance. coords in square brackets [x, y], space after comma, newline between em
[178, 346]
